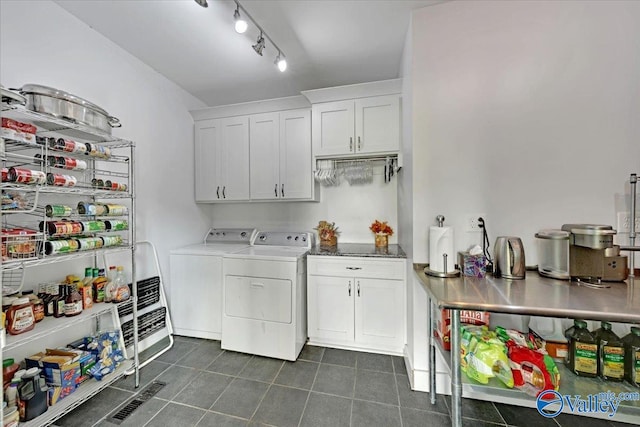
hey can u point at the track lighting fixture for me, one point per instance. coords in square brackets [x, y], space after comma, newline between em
[259, 46]
[241, 24]
[281, 62]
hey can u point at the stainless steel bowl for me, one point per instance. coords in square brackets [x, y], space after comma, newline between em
[64, 105]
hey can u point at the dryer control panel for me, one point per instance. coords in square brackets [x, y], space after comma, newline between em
[284, 238]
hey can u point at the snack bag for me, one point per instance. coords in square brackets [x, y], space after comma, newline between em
[533, 372]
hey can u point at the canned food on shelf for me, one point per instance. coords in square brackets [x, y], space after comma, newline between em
[55, 247]
[117, 225]
[86, 208]
[112, 240]
[57, 210]
[89, 243]
[60, 180]
[26, 176]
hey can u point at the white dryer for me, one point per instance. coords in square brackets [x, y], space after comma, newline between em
[264, 296]
[195, 297]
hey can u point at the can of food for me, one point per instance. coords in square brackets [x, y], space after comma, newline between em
[60, 246]
[89, 243]
[93, 226]
[61, 228]
[42, 140]
[117, 224]
[67, 163]
[85, 208]
[57, 210]
[59, 180]
[97, 183]
[70, 146]
[79, 165]
[112, 240]
[104, 152]
[116, 210]
[90, 149]
[26, 176]
[5, 174]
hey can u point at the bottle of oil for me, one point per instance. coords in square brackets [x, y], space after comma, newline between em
[632, 357]
[583, 351]
[610, 353]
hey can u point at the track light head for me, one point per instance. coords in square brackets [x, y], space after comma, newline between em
[241, 24]
[281, 62]
[202, 3]
[259, 46]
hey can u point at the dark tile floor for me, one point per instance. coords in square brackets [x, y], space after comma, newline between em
[208, 386]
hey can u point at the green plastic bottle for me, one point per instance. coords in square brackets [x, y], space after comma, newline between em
[610, 353]
[583, 351]
[632, 357]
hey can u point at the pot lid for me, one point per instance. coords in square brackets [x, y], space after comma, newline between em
[553, 234]
[590, 229]
[60, 94]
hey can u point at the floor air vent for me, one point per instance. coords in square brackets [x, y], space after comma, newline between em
[147, 393]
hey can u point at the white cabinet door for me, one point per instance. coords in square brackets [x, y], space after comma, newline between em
[235, 158]
[333, 128]
[208, 149]
[264, 143]
[330, 308]
[196, 295]
[379, 313]
[377, 124]
[296, 176]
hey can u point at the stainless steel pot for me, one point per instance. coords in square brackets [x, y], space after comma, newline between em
[63, 105]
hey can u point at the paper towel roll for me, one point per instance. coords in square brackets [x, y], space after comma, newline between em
[441, 242]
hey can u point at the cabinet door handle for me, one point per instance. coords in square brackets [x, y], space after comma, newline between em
[350, 143]
[358, 287]
[218, 191]
[282, 190]
[358, 143]
[275, 190]
[224, 196]
[349, 287]
[354, 268]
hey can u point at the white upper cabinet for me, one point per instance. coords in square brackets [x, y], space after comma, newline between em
[280, 151]
[222, 159]
[357, 127]
[377, 125]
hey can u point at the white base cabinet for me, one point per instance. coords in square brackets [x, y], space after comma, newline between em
[357, 303]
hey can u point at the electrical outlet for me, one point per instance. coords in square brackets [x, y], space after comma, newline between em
[471, 222]
[624, 222]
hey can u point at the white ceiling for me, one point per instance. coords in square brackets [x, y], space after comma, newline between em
[326, 42]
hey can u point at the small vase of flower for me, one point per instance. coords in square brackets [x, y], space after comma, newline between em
[382, 231]
[328, 233]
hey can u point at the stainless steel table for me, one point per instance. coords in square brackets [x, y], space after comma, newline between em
[535, 295]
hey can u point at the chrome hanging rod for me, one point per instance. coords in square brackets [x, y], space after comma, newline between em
[361, 159]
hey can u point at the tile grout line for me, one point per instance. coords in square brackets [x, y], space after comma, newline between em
[309, 394]
[266, 392]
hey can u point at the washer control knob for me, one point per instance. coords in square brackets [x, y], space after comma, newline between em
[288, 237]
[263, 238]
[297, 237]
[243, 234]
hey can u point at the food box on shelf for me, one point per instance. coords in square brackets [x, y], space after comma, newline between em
[55, 393]
[470, 317]
[61, 368]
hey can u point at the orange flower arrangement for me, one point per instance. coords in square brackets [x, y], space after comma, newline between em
[381, 228]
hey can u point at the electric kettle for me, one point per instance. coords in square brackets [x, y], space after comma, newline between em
[508, 258]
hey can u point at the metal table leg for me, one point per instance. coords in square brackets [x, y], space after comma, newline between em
[432, 354]
[456, 378]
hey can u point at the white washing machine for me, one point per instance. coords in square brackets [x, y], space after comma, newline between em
[265, 300]
[195, 297]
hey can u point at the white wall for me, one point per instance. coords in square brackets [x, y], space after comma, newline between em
[42, 43]
[525, 111]
[352, 207]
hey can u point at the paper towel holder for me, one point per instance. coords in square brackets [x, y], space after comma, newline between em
[442, 274]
